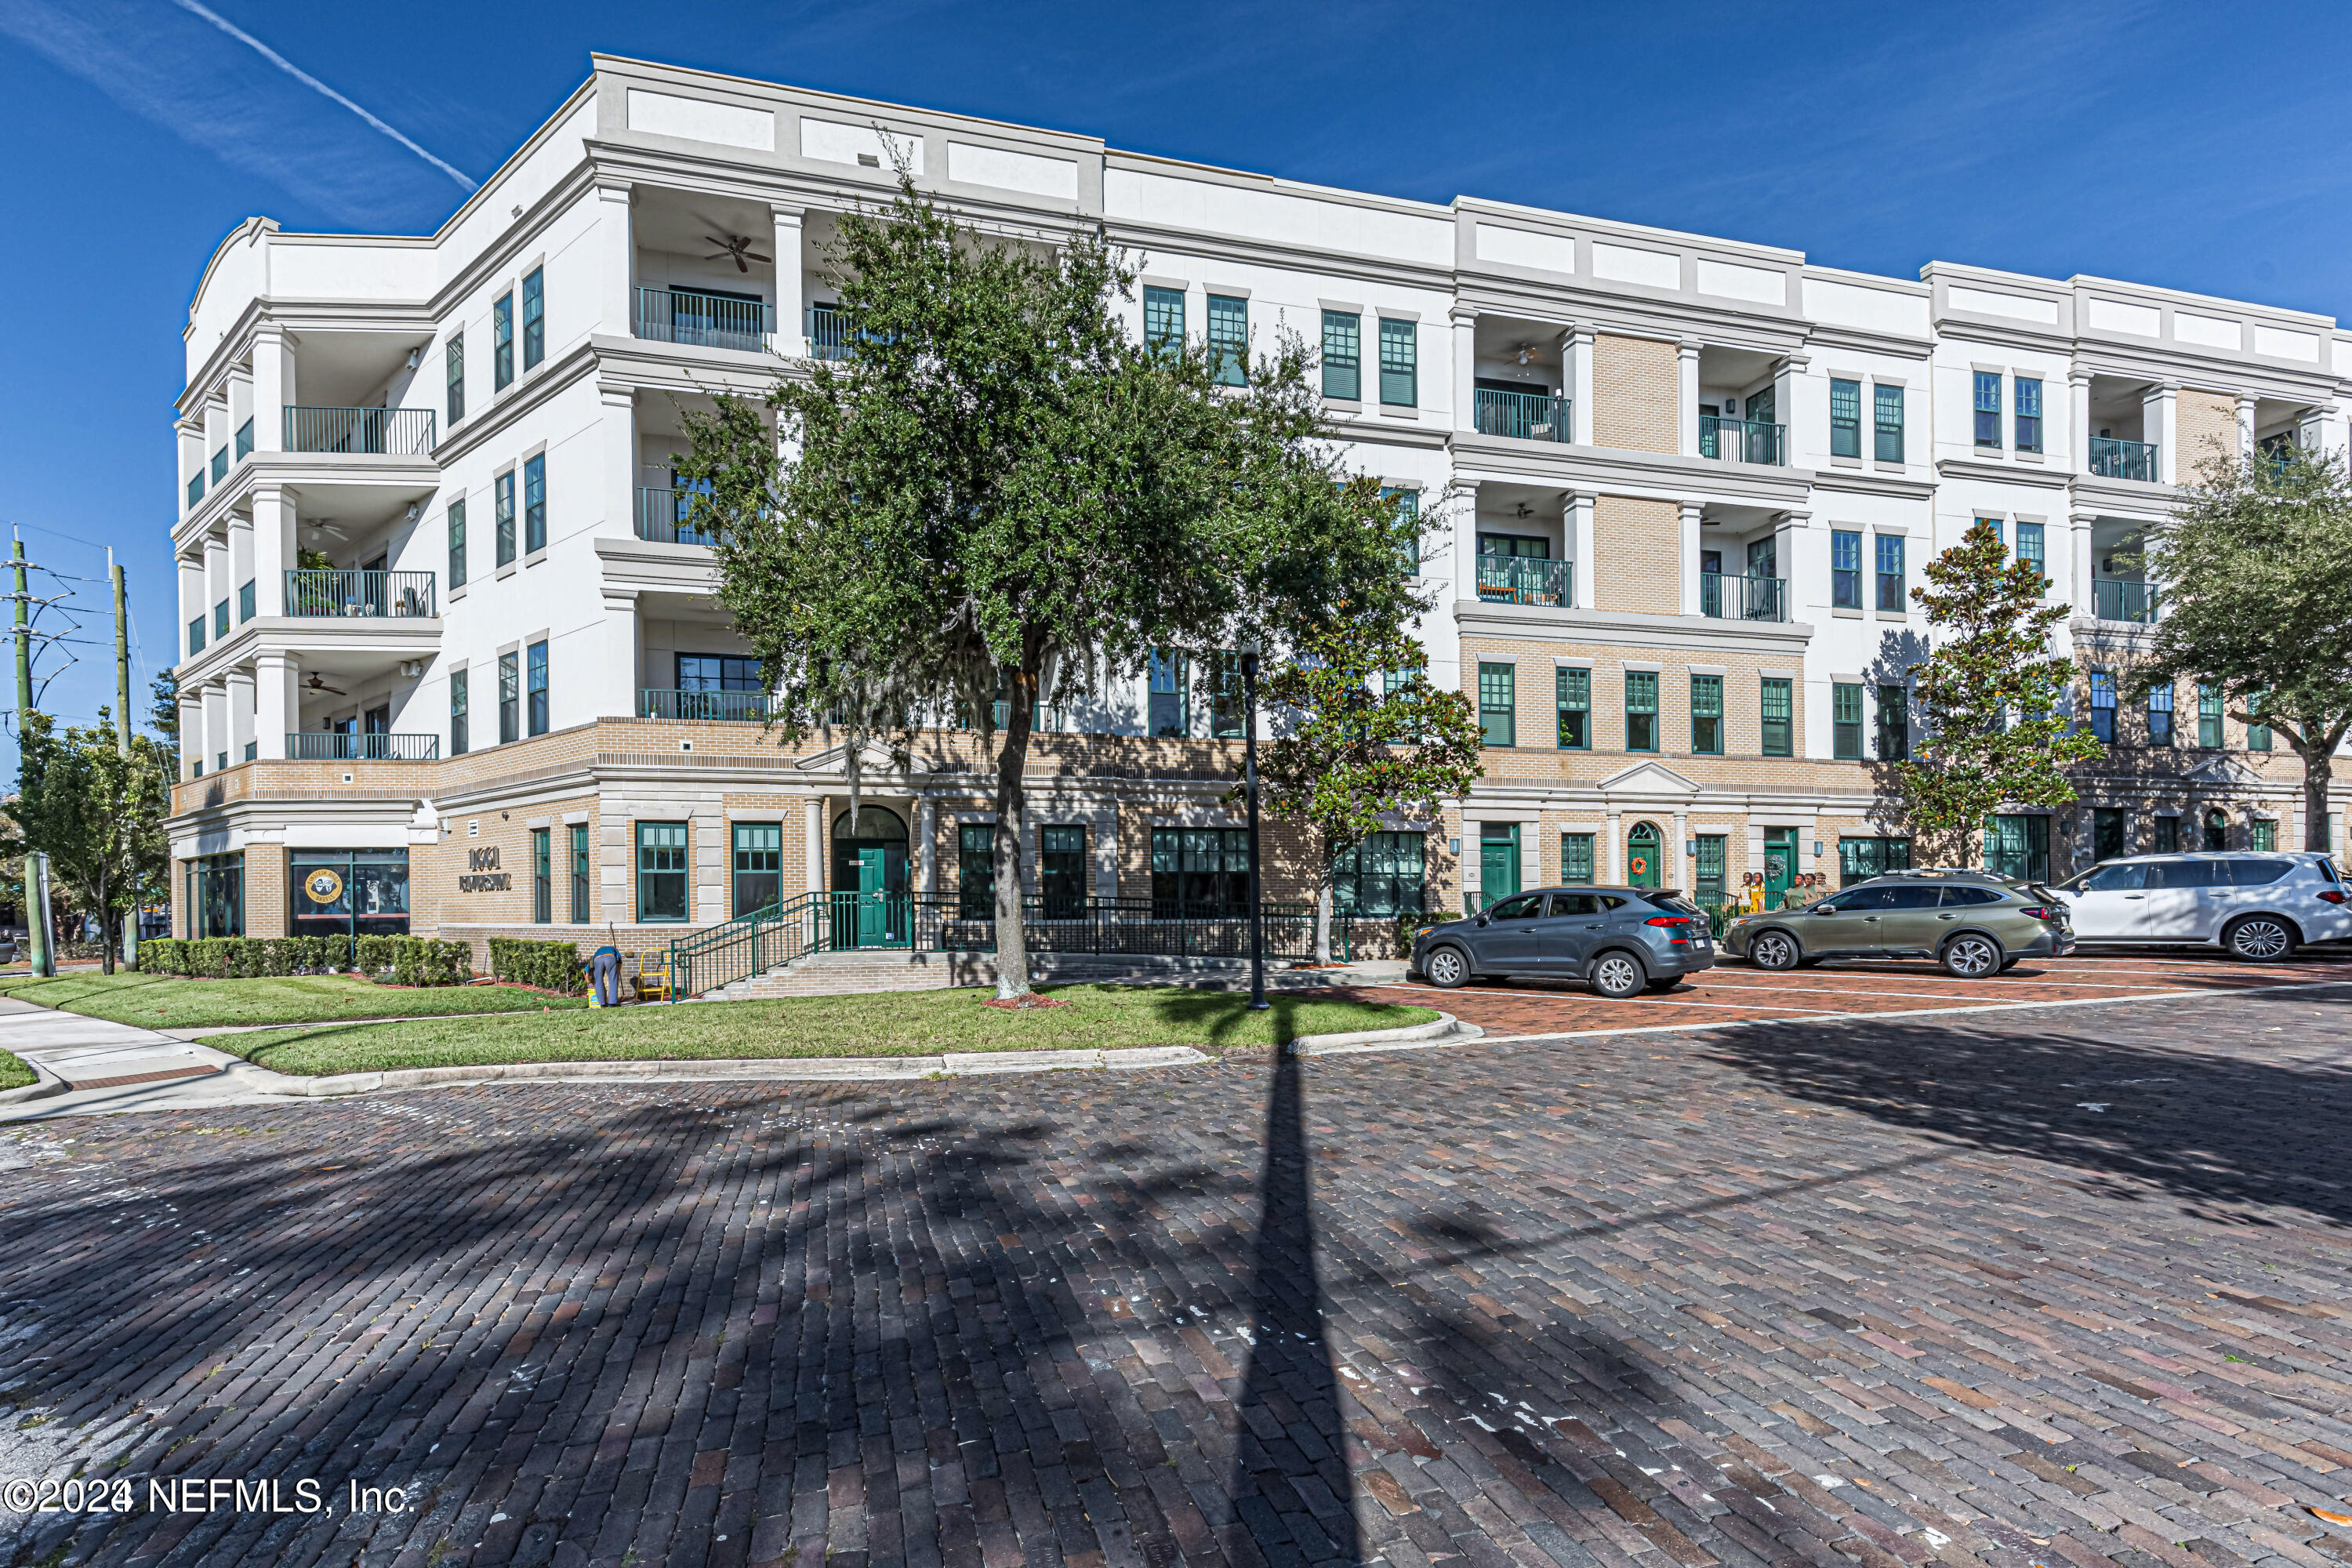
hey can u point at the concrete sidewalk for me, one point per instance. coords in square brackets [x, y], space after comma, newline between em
[91, 1065]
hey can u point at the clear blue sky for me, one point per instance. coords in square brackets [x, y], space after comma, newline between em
[2189, 145]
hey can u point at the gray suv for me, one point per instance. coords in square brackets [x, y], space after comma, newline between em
[1974, 923]
[1615, 940]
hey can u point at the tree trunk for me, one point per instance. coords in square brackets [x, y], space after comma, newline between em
[1011, 798]
[2318, 773]
[105, 937]
[1323, 916]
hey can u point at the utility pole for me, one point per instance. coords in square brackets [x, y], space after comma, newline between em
[24, 639]
[123, 729]
[36, 879]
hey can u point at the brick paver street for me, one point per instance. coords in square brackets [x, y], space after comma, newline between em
[2059, 1286]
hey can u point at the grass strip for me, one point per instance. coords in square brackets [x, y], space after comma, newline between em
[176, 1002]
[14, 1073]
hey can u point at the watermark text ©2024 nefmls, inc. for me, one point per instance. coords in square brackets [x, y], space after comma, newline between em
[194, 1494]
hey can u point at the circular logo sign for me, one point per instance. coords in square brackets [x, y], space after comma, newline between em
[1640, 864]
[323, 886]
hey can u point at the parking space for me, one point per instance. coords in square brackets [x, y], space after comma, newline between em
[1736, 992]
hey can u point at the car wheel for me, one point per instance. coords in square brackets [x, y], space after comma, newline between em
[2260, 939]
[1618, 976]
[1971, 957]
[1774, 950]
[1446, 967]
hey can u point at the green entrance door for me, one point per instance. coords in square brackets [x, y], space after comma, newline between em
[1498, 861]
[1780, 864]
[870, 907]
[1644, 852]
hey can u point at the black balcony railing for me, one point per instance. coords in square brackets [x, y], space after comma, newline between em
[706, 321]
[1525, 416]
[339, 746]
[2113, 599]
[1526, 580]
[662, 517]
[385, 432]
[364, 595]
[2117, 459]
[1743, 440]
[1725, 597]
[732, 707]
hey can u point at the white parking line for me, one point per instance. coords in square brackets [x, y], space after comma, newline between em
[1835, 990]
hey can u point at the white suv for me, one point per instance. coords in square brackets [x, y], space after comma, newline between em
[2258, 905]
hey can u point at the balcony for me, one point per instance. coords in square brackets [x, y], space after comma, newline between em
[1743, 440]
[382, 432]
[662, 518]
[704, 320]
[337, 746]
[2115, 599]
[732, 707]
[1521, 415]
[364, 595]
[1527, 580]
[828, 332]
[1727, 598]
[2113, 459]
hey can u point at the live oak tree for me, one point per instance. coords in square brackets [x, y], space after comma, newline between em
[1000, 495]
[1990, 692]
[1363, 734]
[97, 813]
[2255, 563]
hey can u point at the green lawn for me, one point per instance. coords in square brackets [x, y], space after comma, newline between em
[14, 1073]
[899, 1024]
[170, 1002]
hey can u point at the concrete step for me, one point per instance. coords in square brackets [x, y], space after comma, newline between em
[867, 971]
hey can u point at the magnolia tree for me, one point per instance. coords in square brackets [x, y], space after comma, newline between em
[1990, 692]
[1364, 736]
[998, 494]
[2256, 565]
[97, 810]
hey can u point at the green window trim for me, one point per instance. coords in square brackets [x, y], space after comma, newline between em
[1706, 715]
[1845, 418]
[2028, 418]
[535, 686]
[1576, 858]
[534, 318]
[535, 504]
[1228, 339]
[1163, 318]
[1062, 871]
[1987, 408]
[1886, 422]
[662, 873]
[1498, 703]
[502, 370]
[1706, 871]
[453, 360]
[510, 697]
[1641, 710]
[502, 516]
[976, 872]
[2208, 714]
[1845, 720]
[1408, 506]
[542, 876]
[1778, 704]
[757, 867]
[1343, 357]
[581, 914]
[245, 601]
[1894, 724]
[459, 682]
[1385, 875]
[457, 544]
[1890, 574]
[1399, 363]
[1846, 569]
[1573, 695]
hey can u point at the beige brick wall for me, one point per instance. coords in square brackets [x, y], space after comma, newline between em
[1637, 546]
[265, 890]
[2208, 422]
[1742, 764]
[1635, 394]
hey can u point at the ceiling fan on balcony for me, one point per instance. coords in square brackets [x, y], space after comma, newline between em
[319, 685]
[737, 246]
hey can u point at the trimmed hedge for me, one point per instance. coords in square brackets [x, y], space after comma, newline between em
[408, 959]
[550, 965]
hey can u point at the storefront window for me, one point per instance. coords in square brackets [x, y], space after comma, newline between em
[217, 896]
[348, 892]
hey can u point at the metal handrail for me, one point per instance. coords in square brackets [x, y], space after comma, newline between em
[1743, 440]
[828, 332]
[2116, 599]
[1526, 580]
[2115, 459]
[1725, 597]
[750, 707]
[705, 320]
[340, 746]
[663, 514]
[1523, 416]
[367, 595]
[384, 432]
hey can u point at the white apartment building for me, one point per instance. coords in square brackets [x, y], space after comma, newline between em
[443, 637]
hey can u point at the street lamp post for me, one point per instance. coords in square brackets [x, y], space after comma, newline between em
[1249, 782]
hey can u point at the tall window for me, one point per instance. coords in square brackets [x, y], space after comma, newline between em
[1708, 876]
[502, 343]
[2258, 736]
[1890, 573]
[1382, 876]
[534, 318]
[1778, 704]
[510, 697]
[1408, 507]
[535, 687]
[1399, 364]
[718, 672]
[1894, 724]
[453, 370]
[2167, 835]
[661, 873]
[1343, 357]
[1576, 858]
[2159, 716]
[1574, 689]
[759, 866]
[2018, 847]
[1199, 872]
[542, 876]
[976, 872]
[1163, 318]
[2208, 714]
[1062, 871]
[580, 873]
[1641, 710]
[220, 620]
[502, 516]
[459, 680]
[1859, 860]
[535, 504]
[457, 544]
[1706, 714]
[1169, 712]
[1845, 723]
[1987, 408]
[2103, 706]
[2261, 833]
[1845, 418]
[2029, 545]
[1887, 415]
[245, 603]
[1498, 703]
[1229, 339]
[1225, 721]
[1846, 569]
[2029, 415]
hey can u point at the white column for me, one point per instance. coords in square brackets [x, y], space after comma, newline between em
[927, 865]
[1688, 535]
[1578, 384]
[1678, 854]
[1576, 511]
[191, 460]
[1462, 515]
[215, 700]
[2156, 408]
[276, 703]
[217, 582]
[2078, 585]
[2078, 418]
[1616, 846]
[240, 570]
[791, 329]
[216, 430]
[816, 844]
[616, 260]
[2245, 424]
[1466, 367]
[192, 733]
[192, 604]
[1106, 852]
[620, 682]
[621, 460]
[273, 548]
[273, 387]
[241, 406]
[240, 712]
[1687, 399]
[1785, 381]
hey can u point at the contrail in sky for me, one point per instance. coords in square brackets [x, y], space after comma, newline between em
[195, 7]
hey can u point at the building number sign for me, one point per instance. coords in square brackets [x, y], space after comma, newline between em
[482, 873]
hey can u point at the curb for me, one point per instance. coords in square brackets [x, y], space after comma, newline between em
[46, 1085]
[954, 1064]
[1445, 1029]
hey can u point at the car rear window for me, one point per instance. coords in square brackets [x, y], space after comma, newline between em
[1673, 901]
[1960, 897]
[2257, 873]
[2188, 874]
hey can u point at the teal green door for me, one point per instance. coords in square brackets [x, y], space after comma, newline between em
[1498, 861]
[1643, 851]
[1780, 864]
[882, 905]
